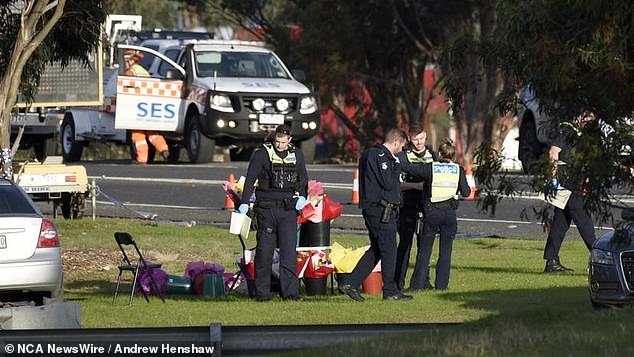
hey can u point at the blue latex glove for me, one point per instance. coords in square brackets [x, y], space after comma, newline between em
[554, 183]
[301, 202]
[243, 208]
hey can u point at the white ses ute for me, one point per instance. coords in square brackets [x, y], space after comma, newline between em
[229, 93]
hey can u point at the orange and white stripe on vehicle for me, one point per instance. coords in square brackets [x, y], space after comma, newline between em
[109, 104]
[149, 87]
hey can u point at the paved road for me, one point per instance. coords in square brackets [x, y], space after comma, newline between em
[185, 193]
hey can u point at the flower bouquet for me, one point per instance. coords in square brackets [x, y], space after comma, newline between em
[320, 207]
[313, 264]
[234, 190]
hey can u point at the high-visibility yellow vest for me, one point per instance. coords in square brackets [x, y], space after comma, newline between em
[444, 182]
[137, 70]
[413, 158]
[284, 171]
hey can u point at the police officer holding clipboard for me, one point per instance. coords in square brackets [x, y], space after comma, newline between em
[280, 170]
[560, 152]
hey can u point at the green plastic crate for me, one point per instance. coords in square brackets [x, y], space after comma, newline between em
[179, 285]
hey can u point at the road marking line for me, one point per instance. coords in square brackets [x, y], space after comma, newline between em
[336, 186]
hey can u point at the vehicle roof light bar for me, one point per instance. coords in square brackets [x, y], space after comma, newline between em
[225, 42]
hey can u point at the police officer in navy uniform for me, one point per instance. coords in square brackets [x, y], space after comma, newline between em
[380, 197]
[444, 180]
[280, 194]
[411, 213]
[560, 154]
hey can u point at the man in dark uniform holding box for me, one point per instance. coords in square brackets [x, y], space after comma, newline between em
[379, 188]
[280, 170]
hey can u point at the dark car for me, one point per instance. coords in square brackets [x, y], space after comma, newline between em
[611, 265]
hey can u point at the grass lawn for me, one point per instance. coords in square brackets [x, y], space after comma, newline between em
[497, 290]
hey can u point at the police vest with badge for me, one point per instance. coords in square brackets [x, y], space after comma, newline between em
[444, 185]
[282, 177]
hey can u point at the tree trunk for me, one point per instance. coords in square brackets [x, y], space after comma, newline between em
[481, 123]
[27, 41]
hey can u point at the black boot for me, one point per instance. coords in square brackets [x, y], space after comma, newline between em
[554, 266]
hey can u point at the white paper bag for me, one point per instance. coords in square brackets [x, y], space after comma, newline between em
[560, 199]
[240, 224]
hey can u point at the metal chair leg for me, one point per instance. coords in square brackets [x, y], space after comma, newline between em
[116, 290]
[136, 276]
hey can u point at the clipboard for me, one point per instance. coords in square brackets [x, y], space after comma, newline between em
[560, 199]
[240, 225]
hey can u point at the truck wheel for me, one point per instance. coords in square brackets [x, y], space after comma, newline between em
[200, 148]
[71, 149]
[73, 205]
[44, 148]
[308, 148]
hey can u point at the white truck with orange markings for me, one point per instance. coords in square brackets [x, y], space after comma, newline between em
[224, 92]
[227, 93]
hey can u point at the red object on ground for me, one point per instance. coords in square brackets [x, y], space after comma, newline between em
[373, 284]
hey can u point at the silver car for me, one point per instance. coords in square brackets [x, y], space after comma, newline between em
[30, 253]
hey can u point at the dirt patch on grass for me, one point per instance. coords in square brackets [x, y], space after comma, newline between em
[91, 260]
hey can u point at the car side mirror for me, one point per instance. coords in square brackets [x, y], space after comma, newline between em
[173, 74]
[299, 75]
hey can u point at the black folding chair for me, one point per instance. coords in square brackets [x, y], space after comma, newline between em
[125, 240]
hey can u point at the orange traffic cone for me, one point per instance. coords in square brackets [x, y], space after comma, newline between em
[355, 187]
[472, 184]
[228, 201]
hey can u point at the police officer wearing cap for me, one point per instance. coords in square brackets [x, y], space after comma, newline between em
[410, 218]
[444, 180]
[282, 181]
[380, 197]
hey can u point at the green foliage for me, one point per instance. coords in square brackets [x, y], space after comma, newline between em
[73, 38]
[575, 53]
[577, 57]
[385, 44]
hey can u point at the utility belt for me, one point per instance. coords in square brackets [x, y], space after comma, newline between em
[285, 203]
[388, 209]
[430, 206]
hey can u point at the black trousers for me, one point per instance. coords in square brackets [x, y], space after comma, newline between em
[277, 227]
[574, 212]
[406, 230]
[382, 247]
[443, 221]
